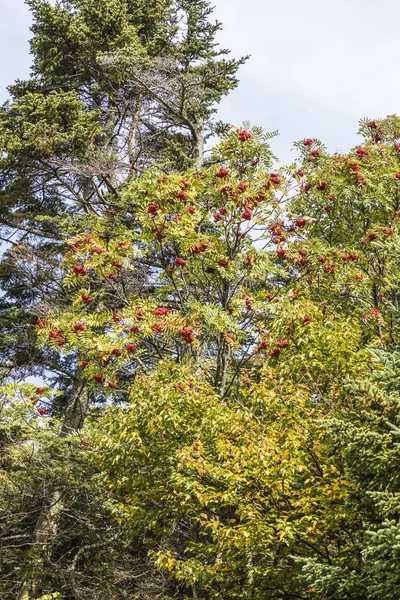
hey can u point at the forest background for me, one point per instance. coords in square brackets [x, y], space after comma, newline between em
[216, 332]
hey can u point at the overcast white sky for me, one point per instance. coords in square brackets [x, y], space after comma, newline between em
[317, 66]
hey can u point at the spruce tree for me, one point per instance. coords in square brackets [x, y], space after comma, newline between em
[116, 86]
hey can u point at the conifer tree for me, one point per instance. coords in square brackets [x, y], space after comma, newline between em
[116, 86]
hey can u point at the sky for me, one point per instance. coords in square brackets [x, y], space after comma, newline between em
[316, 66]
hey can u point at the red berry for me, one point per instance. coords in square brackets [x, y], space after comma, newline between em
[135, 329]
[86, 299]
[187, 335]
[116, 352]
[131, 348]
[275, 353]
[181, 195]
[54, 335]
[264, 345]
[179, 262]
[79, 327]
[84, 364]
[283, 343]
[79, 270]
[161, 312]
[222, 173]
[247, 215]
[275, 179]
[223, 262]
[300, 222]
[281, 253]
[244, 135]
[39, 391]
[153, 209]
[112, 276]
[362, 152]
[307, 320]
[117, 264]
[307, 142]
[96, 250]
[112, 385]
[321, 186]
[98, 378]
[43, 412]
[191, 210]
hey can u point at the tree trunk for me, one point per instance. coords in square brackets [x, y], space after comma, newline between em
[198, 144]
[47, 525]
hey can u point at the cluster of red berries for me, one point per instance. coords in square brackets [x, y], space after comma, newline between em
[220, 214]
[179, 262]
[332, 268]
[222, 173]
[247, 214]
[198, 249]
[58, 336]
[275, 179]
[277, 232]
[187, 334]
[244, 135]
[161, 312]
[350, 257]
[276, 351]
[43, 412]
[86, 299]
[182, 195]
[153, 209]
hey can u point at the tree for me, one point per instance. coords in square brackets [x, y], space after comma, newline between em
[115, 86]
[218, 344]
[234, 460]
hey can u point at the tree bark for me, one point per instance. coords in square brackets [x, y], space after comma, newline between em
[198, 144]
[49, 518]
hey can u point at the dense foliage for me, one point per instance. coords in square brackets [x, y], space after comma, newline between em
[218, 338]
